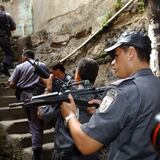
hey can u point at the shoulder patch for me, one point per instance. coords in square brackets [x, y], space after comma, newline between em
[107, 100]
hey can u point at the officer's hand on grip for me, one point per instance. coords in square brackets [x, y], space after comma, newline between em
[93, 103]
[68, 108]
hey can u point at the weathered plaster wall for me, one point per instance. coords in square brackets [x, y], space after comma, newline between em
[43, 11]
[63, 34]
[49, 11]
[32, 16]
[21, 11]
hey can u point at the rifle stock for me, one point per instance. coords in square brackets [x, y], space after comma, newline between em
[80, 96]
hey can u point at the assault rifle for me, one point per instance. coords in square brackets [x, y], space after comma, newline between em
[80, 96]
[38, 69]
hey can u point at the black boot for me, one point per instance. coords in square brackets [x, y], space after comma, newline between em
[37, 154]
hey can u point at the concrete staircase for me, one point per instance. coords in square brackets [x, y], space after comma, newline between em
[15, 123]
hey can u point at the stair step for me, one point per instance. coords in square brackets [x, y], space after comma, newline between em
[15, 126]
[6, 100]
[6, 90]
[18, 126]
[7, 113]
[25, 139]
[14, 121]
[47, 152]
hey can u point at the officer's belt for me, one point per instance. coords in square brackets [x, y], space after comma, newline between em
[26, 89]
[70, 150]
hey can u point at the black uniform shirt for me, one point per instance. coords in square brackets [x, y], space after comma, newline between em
[126, 117]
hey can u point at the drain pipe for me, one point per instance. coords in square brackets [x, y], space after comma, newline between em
[100, 29]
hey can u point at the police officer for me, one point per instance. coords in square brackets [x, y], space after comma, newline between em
[57, 79]
[25, 80]
[7, 25]
[64, 149]
[59, 76]
[125, 117]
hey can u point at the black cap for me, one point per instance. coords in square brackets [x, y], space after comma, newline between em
[133, 38]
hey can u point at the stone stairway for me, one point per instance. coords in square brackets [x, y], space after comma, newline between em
[14, 121]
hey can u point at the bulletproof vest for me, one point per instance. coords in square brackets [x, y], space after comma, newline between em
[4, 22]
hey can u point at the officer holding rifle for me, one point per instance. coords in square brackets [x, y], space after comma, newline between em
[64, 148]
[125, 117]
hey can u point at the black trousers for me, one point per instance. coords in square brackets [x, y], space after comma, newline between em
[5, 44]
[73, 155]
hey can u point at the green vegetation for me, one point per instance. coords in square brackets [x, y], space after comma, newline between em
[8, 150]
[103, 58]
[117, 6]
[141, 6]
[106, 18]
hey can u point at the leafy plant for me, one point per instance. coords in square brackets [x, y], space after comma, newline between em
[106, 18]
[118, 5]
[141, 5]
[8, 150]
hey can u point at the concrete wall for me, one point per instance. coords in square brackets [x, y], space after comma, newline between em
[44, 11]
[50, 10]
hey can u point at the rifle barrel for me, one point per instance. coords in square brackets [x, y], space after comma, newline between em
[16, 104]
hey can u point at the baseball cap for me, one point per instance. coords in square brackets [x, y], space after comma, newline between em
[133, 38]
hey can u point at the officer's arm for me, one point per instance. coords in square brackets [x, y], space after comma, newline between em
[48, 83]
[12, 84]
[84, 143]
[12, 23]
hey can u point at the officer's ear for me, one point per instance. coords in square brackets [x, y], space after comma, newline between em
[24, 57]
[131, 53]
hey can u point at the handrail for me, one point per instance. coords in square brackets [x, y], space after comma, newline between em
[95, 33]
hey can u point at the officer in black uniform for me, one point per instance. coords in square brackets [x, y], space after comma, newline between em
[7, 25]
[125, 117]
